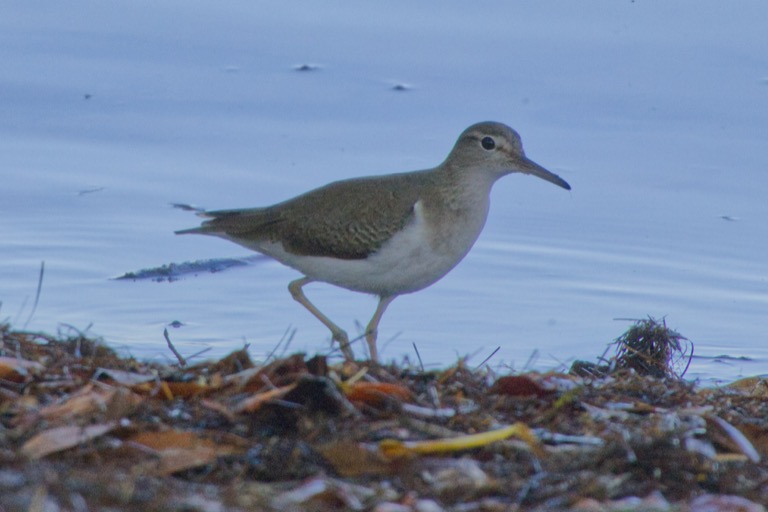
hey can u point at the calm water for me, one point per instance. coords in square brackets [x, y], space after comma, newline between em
[655, 113]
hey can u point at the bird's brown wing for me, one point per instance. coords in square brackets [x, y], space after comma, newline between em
[347, 220]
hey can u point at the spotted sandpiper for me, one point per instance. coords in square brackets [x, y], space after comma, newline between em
[385, 235]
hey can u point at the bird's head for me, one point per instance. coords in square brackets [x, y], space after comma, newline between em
[496, 148]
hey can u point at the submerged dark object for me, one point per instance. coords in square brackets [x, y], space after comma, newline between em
[173, 271]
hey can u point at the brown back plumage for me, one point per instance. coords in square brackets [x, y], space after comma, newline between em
[347, 219]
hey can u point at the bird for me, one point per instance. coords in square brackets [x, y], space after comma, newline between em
[385, 235]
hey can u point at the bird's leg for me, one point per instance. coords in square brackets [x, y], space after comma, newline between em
[339, 335]
[372, 331]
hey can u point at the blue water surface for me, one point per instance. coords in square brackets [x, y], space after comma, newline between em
[656, 113]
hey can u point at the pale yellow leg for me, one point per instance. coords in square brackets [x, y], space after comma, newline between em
[339, 335]
[372, 331]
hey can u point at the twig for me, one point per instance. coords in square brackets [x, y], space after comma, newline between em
[80, 336]
[199, 353]
[288, 335]
[182, 361]
[37, 295]
[531, 359]
[390, 340]
[690, 358]
[488, 358]
[421, 363]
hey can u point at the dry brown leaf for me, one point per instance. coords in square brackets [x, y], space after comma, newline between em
[254, 402]
[351, 459]
[63, 438]
[109, 402]
[173, 461]
[375, 393]
[171, 390]
[277, 373]
[87, 400]
[15, 369]
[182, 439]
[219, 408]
[179, 450]
[519, 385]
[170, 439]
[189, 389]
[751, 386]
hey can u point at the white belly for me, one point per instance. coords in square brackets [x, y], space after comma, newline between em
[411, 260]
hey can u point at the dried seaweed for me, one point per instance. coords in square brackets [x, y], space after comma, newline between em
[84, 429]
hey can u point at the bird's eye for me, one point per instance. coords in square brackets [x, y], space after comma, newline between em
[488, 143]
